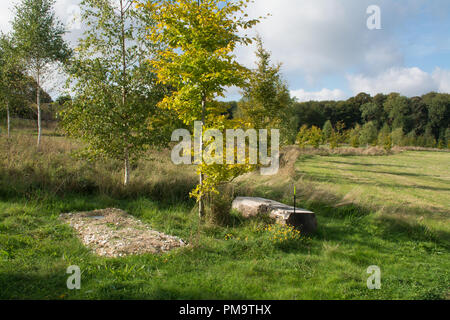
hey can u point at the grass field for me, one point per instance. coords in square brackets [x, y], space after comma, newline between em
[391, 211]
[413, 185]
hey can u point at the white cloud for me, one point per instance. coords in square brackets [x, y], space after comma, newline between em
[326, 38]
[315, 38]
[378, 57]
[65, 10]
[442, 79]
[6, 15]
[322, 95]
[407, 81]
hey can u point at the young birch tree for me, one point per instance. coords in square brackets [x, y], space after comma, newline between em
[199, 37]
[38, 34]
[114, 109]
[12, 78]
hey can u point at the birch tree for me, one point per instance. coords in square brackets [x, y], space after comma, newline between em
[12, 78]
[114, 108]
[38, 35]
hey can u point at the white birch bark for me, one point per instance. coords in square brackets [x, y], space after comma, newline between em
[8, 120]
[38, 102]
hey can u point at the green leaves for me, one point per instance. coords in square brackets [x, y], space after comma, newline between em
[38, 33]
[114, 110]
[196, 53]
[196, 59]
[12, 77]
[267, 102]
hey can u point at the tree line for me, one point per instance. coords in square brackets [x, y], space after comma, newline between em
[364, 120]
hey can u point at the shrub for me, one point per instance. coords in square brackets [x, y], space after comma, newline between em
[219, 206]
[303, 136]
[284, 236]
[447, 137]
[398, 137]
[427, 140]
[369, 134]
[338, 135]
[410, 139]
[327, 131]
[387, 143]
[442, 142]
[315, 137]
[312, 137]
[384, 138]
[354, 136]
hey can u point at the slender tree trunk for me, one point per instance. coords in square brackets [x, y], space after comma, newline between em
[38, 102]
[8, 121]
[126, 179]
[201, 203]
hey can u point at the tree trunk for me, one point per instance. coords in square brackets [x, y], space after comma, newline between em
[201, 203]
[8, 120]
[38, 102]
[126, 179]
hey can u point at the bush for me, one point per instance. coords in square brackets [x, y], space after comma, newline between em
[338, 136]
[384, 138]
[410, 139]
[442, 142]
[427, 140]
[312, 137]
[302, 137]
[327, 131]
[398, 138]
[447, 137]
[315, 137]
[369, 134]
[354, 136]
[284, 237]
[219, 207]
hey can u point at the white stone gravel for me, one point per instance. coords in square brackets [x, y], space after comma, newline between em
[114, 233]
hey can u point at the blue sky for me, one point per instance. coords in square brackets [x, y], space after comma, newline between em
[328, 52]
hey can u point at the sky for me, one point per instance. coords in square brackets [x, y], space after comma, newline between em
[327, 50]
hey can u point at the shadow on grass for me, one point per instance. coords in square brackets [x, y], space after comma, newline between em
[319, 177]
[368, 164]
[20, 285]
[400, 174]
[53, 286]
[397, 229]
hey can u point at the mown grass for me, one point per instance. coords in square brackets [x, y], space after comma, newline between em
[410, 185]
[367, 214]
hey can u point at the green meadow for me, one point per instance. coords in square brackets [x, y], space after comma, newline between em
[391, 211]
